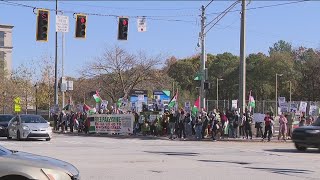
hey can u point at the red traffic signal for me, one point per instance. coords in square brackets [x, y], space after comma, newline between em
[42, 25]
[81, 22]
[123, 28]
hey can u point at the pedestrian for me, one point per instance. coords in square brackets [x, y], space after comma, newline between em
[181, 124]
[172, 123]
[283, 127]
[205, 122]
[268, 127]
[198, 128]
[247, 126]
[258, 126]
[214, 127]
[242, 127]
[236, 123]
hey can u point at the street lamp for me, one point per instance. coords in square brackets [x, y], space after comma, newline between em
[36, 86]
[218, 91]
[276, 114]
[4, 93]
[290, 87]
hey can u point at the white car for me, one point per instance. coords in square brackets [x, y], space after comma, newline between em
[29, 127]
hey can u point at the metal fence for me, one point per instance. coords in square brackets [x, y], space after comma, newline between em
[261, 106]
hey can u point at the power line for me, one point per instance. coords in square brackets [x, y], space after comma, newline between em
[208, 4]
[262, 7]
[223, 14]
[126, 8]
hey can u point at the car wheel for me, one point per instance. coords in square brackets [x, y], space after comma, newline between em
[8, 137]
[18, 136]
[48, 139]
[15, 177]
[300, 148]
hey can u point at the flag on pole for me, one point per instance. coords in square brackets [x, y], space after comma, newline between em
[173, 101]
[86, 108]
[119, 102]
[252, 103]
[97, 98]
[196, 107]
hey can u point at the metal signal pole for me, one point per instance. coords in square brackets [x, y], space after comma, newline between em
[56, 65]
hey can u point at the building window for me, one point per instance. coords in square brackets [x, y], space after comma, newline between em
[1, 38]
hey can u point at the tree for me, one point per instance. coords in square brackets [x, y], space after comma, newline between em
[117, 72]
[281, 47]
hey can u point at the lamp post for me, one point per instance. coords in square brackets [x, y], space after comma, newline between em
[290, 94]
[4, 101]
[36, 86]
[218, 91]
[276, 114]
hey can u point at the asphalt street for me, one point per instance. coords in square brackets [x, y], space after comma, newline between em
[113, 158]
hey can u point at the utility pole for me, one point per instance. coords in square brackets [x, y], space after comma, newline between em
[56, 65]
[242, 87]
[62, 68]
[203, 59]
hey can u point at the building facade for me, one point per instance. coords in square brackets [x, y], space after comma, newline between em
[6, 48]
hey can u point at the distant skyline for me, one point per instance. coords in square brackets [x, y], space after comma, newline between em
[172, 28]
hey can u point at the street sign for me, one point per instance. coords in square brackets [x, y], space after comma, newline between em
[142, 25]
[62, 23]
[17, 106]
[69, 85]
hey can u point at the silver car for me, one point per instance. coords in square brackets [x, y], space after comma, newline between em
[24, 166]
[29, 127]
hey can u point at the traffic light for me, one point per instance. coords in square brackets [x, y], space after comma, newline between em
[42, 25]
[123, 28]
[81, 25]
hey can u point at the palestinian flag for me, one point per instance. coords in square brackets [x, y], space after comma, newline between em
[86, 108]
[97, 98]
[67, 107]
[119, 102]
[196, 107]
[173, 101]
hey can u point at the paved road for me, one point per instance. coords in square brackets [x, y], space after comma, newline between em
[107, 158]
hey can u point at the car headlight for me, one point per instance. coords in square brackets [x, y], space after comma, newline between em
[55, 174]
[1, 127]
[26, 128]
[316, 131]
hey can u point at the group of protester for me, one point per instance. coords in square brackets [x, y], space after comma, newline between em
[181, 124]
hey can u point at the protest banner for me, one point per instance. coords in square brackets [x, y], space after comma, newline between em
[111, 123]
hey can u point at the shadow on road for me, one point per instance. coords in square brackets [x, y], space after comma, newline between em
[173, 153]
[232, 162]
[114, 136]
[282, 170]
[14, 140]
[293, 150]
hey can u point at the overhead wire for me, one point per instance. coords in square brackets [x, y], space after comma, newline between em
[96, 14]
[223, 12]
[265, 6]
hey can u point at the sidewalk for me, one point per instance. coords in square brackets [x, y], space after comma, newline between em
[150, 137]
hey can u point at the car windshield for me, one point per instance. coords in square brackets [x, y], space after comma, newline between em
[317, 122]
[5, 118]
[33, 119]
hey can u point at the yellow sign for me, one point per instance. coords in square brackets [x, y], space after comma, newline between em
[17, 100]
[17, 106]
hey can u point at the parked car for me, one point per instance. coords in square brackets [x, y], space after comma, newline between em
[17, 165]
[29, 127]
[307, 136]
[4, 121]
